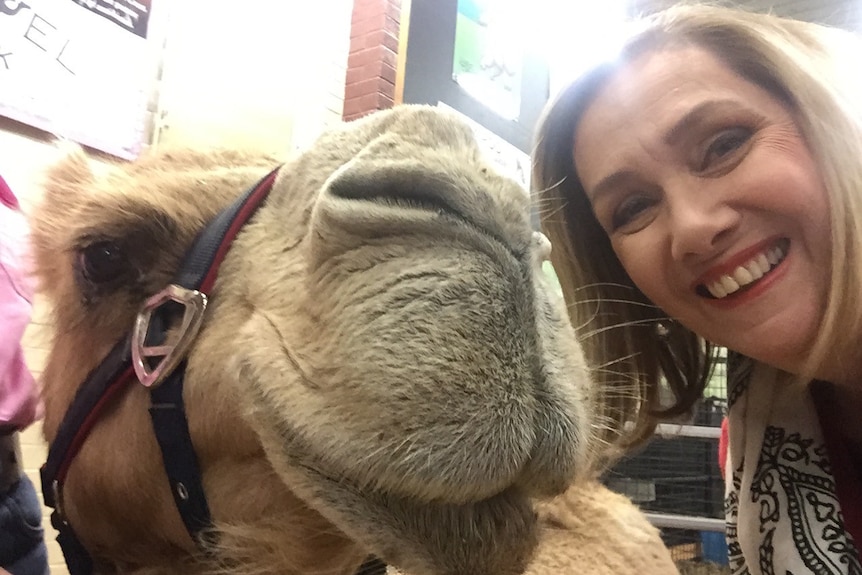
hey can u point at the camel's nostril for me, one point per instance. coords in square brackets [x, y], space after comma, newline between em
[401, 187]
[421, 202]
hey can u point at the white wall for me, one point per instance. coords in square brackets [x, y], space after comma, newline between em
[268, 71]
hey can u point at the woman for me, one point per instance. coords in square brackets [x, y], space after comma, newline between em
[705, 188]
[22, 546]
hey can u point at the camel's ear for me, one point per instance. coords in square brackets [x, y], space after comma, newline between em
[66, 183]
[69, 176]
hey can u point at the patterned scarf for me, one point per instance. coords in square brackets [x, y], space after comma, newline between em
[783, 516]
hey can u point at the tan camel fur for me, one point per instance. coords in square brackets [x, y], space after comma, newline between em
[591, 530]
[382, 368]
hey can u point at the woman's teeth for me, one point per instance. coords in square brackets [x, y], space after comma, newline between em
[748, 273]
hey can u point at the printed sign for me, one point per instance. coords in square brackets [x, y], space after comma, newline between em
[129, 14]
[79, 69]
[488, 58]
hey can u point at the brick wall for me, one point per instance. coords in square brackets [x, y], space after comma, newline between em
[373, 59]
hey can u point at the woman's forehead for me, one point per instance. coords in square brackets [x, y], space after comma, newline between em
[657, 77]
[654, 102]
[653, 91]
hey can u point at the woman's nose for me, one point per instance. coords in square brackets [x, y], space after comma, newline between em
[701, 221]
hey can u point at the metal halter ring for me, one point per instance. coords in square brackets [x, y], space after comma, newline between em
[194, 304]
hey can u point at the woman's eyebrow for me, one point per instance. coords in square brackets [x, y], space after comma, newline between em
[697, 116]
[609, 183]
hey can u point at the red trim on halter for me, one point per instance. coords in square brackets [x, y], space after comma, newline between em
[112, 391]
[238, 222]
[128, 375]
[112, 376]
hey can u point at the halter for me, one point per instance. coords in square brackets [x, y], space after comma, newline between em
[148, 357]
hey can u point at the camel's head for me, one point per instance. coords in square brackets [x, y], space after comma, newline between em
[383, 322]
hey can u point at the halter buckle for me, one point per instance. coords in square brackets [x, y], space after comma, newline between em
[169, 354]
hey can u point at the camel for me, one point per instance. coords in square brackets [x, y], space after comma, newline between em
[382, 368]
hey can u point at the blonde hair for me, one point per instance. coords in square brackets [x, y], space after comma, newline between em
[811, 69]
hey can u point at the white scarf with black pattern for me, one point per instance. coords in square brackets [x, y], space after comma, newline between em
[783, 516]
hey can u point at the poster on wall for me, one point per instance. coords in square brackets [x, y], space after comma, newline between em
[80, 69]
[489, 56]
[133, 15]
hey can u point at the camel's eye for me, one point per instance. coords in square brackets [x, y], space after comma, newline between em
[102, 262]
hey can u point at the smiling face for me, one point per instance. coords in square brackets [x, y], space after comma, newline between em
[712, 201]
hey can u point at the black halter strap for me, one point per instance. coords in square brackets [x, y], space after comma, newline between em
[167, 411]
[197, 275]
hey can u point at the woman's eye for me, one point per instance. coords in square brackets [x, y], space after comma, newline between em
[629, 210]
[724, 145]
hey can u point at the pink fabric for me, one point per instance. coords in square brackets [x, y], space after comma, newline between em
[19, 405]
[7, 198]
